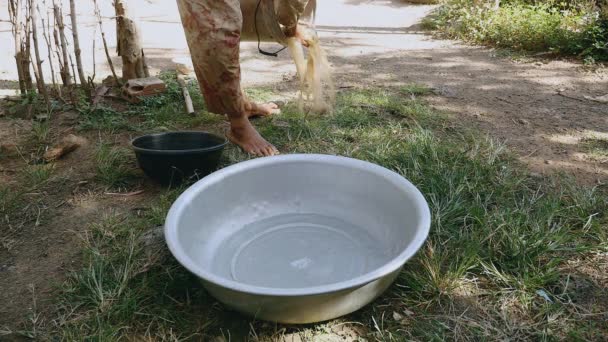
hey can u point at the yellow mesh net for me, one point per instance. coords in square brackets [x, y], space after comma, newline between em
[317, 92]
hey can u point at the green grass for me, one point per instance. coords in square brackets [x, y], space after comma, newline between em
[24, 202]
[36, 175]
[115, 167]
[40, 133]
[103, 119]
[415, 89]
[597, 148]
[162, 112]
[568, 28]
[498, 237]
[9, 205]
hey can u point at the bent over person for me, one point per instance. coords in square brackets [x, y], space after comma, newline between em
[213, 31]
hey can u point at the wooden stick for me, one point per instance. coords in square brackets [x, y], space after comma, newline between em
[91, 79]
[77, 52]
[73, 69]
[40, 77]
[47, 39]
[189, 106]
[105, 43]
[65, 68]
[145, 64]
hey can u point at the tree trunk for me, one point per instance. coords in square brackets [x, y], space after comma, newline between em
[40, 77]
[129, 44]
[65, 66]
[13, 10]
[21, 35]
[25, 84]
[77, 51]
[26, 55]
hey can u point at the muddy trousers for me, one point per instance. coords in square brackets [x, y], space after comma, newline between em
[213, 32]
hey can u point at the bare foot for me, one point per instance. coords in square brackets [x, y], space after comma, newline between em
[243, 134]
[264, 109]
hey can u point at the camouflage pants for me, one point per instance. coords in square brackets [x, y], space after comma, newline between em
[213, 32]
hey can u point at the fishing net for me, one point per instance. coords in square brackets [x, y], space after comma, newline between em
[317, 92]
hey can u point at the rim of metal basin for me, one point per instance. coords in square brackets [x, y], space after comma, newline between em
[216, 147]
[171, 225]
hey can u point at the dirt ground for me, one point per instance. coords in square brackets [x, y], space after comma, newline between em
[536, 106]
[40, 247]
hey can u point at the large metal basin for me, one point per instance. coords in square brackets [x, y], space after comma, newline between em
[298, 238]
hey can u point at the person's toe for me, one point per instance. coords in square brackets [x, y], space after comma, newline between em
[273, 150]
[260, 150]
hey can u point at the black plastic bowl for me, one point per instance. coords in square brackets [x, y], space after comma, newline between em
[174, 157]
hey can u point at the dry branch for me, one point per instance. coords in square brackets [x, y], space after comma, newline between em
[105, 43]
[47, 39]
[40, 75]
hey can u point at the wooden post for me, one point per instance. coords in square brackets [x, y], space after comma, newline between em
[65, 66]
[40, 75]
[77, 51]
[129, 44]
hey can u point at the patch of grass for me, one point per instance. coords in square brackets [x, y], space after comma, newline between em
[40, 133]
[36, 175]
[173, 117]
[103, 119]
[123, 282]
[173, 93]
[9, 206]
[115, 167]
[415, 89]
[568, 28]
[498, 238]
[260, 94]
[9, 203]
[17, 209]
[597, 148]
[162, 112]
